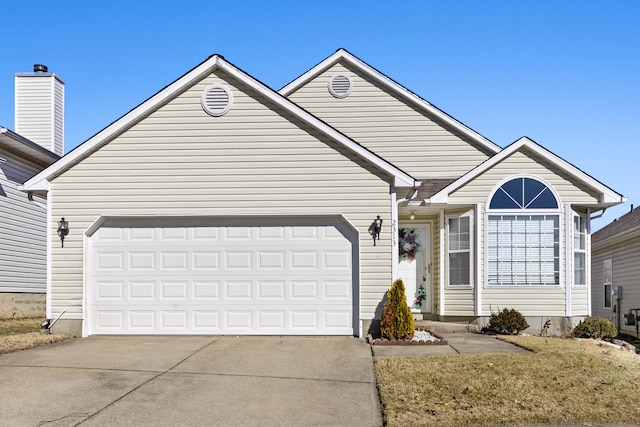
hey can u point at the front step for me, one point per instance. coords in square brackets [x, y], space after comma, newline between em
[446, 327]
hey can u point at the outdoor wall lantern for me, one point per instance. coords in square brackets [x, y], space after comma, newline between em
[375, 228]
[63, 229]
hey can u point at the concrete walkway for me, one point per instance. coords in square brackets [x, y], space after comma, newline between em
[458, 343]
[191, 381]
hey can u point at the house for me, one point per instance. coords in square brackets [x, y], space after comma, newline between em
[220, 206]
[30, 149]
[615, 275]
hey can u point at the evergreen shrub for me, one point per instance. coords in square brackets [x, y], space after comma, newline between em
[396, 321]
[507, 322]
[596, 328]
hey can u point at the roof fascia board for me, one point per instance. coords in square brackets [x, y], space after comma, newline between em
[607, 195]
[212, 63]
[29, 148]
[405, 93]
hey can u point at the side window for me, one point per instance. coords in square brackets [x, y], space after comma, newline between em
[459, 251]
[607, 279]
[579, 250]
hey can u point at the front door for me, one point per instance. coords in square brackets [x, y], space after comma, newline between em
[414, 265]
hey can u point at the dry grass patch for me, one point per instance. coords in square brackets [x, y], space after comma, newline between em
[560, 381]
[21, 334]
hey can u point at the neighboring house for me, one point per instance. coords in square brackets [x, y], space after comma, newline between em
[615, 273]
[23, 248]
[219, 206]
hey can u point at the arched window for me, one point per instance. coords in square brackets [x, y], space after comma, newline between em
[523, 234]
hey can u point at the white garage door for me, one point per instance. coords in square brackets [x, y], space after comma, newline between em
[268, 279]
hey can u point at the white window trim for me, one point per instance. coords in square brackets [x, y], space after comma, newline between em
[583, 251]
[605, 284]
[471, 250]
[558, 212]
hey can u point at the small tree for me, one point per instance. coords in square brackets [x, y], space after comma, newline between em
[396, 321]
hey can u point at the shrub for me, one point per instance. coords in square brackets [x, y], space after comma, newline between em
[396, 321]
[507, 322]
[596, 328]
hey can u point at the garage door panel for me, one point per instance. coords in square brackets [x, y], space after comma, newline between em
[221, 280]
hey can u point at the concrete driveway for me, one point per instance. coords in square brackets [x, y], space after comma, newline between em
[191, 381]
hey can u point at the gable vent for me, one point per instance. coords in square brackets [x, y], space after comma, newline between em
[216, 100]
[340, 85]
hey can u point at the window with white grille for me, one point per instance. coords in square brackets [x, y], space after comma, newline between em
[579, 250]
[459, 251]
[523, 235]
[607, 278]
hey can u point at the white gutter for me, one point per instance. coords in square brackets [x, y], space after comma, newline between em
[600, 215]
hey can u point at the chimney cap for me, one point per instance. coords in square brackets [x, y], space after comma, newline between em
[40, 68]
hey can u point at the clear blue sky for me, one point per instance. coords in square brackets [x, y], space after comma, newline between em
[564, 73]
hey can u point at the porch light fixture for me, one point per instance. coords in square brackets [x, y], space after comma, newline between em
[63, 230]
[375, 228]
[412, 216]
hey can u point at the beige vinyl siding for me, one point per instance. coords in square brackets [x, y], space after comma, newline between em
[389, 126]
[479, 189]
[530, 301]
[255, 160]
[23, 253]
[459, 302]
[623, 251]
[580, 301]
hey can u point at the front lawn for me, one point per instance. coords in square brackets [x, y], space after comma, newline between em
[560, 381]
[20, 334]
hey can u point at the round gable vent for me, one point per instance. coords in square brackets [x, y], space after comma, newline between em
[216, 100]
[340, 85]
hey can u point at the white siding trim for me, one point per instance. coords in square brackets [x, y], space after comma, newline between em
[443, 231]
[478, 259]
[568, 257]
[588, 263]
[394, 234]
[49, 232]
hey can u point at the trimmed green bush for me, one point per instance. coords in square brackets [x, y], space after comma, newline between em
[596, 328]
[507, 322]
[396, 321]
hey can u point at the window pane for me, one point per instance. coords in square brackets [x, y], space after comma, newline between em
[607, 296]
[523, 250]
[459, 268]
[501, 200]
[532, 191]
[459, 238]
[579, 268]
[523, 193]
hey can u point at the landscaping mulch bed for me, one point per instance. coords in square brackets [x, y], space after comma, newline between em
[383, 341]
